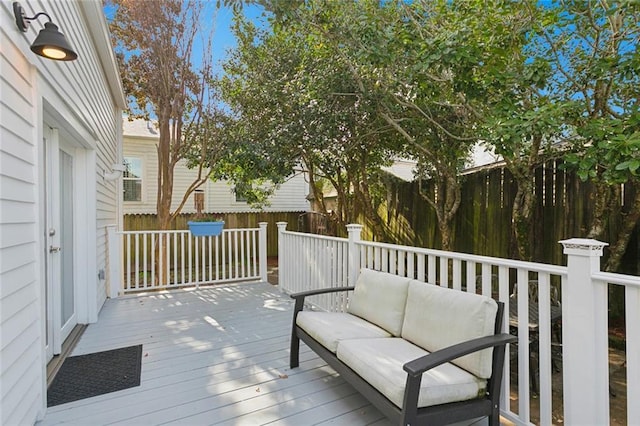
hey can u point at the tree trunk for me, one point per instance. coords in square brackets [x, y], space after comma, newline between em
[445, 204]
[368, 209]
[619, 247]
[602, 199]
[521, 213]
[165, 191]
[445, 233]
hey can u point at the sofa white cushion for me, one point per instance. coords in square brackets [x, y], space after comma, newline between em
[437, 317]
[328, 328]
[380, 361]
[380, 298]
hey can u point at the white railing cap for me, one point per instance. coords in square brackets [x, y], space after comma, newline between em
[583, 246]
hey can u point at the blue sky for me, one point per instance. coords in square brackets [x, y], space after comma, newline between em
[223, 39]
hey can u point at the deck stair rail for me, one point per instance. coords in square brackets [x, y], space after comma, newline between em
[160, 260]
[308, 262]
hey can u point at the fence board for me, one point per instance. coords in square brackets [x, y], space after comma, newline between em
[563, 209]
[149, 222]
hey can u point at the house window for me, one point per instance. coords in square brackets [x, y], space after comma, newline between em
[132, 179]
[198, 198]
[240, 196]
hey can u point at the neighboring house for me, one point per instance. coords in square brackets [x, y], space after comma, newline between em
[60, 135]
[141, 181]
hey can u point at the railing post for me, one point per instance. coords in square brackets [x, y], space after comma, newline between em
[114, 277]
[584, 336]
[262, 250]
[354, 231]
[282, 265]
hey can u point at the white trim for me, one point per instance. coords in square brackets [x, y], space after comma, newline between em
[57, 114]
[40, 241]
[90, 238]
[120, 158]
[52, 157]
[84, 203]
[57, 111]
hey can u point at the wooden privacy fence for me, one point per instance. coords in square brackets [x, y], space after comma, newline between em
[149, 222]
[564, 207]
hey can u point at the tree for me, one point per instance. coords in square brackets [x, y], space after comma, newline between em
[522, 122]
[593, 47]
[422, 63]
[414, 69]
[155, 47]
[293, 103]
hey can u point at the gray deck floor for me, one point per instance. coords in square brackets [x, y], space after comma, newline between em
[213, 356]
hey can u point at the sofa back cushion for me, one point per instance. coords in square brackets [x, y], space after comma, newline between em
[380, 298]
[437, 317]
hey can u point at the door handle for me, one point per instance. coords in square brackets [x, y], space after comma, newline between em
[53, 249]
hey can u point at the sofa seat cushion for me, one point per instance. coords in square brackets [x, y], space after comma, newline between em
[452, 317]
[328, 328]
[380, 298]
[380, 362]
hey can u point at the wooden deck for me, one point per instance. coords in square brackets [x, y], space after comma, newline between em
[214, 356]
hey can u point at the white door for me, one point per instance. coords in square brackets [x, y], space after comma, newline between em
[59, 229]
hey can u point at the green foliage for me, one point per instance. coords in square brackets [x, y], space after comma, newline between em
[296, 101]
[343, 87]
[614, 155]
[600, 61]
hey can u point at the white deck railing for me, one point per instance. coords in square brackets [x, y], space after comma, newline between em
[154, 260]
[309, 261]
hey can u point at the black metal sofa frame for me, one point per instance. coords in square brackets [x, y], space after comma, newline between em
[410, 414]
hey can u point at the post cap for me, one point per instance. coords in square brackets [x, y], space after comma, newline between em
[583, 246]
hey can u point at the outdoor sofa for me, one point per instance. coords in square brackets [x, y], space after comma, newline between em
[420, 353]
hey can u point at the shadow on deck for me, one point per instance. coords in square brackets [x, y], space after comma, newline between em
[216, 355]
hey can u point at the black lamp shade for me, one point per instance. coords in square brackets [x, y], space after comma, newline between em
[52, 44]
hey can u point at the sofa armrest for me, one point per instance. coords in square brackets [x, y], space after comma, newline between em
[299, 297]
[418, 366]
[304, 294]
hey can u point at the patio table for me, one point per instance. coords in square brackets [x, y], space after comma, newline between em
[556, 314]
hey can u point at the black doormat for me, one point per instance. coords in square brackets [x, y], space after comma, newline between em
[94, 374]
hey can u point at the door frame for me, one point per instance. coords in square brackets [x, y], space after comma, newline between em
[55, 114]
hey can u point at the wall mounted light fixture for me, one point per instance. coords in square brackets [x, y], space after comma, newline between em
[50, 42]
[117, 170]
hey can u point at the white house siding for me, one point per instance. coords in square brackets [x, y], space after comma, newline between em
[20, 340]
[140, 141]
[84, 99]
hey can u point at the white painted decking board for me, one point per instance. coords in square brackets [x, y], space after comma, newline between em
[213, 356]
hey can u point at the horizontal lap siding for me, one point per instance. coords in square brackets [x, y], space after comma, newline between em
[219, 196]
[79, 92]
[20, 333]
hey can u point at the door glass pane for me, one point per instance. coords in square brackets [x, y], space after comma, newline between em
[45, 256]
[66, 235]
